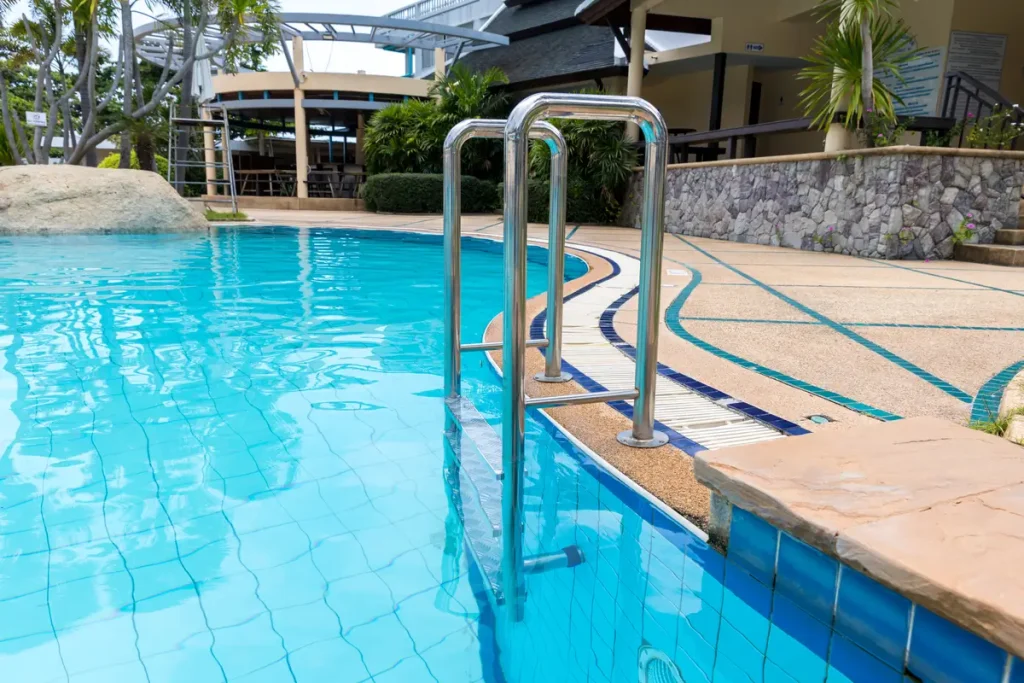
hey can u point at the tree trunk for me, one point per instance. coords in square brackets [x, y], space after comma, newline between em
[867, 77]
[145, 151]
[81, 50]
[129, 83]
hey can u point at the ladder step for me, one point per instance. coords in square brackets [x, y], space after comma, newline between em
[473, 424]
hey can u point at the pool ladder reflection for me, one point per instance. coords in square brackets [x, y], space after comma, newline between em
[491, 465]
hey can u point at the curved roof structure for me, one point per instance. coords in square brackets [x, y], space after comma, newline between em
[154, 39]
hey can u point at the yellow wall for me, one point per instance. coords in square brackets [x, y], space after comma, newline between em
[998, 16]
[685, 99]
[780, 100]
[754, 21]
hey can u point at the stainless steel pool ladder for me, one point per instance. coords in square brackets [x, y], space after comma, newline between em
[517, 133]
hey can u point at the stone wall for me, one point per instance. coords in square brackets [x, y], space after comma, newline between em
[899, 202]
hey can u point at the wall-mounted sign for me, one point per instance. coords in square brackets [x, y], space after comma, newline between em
[921, 83]
[755, 47]
[980, 55]
[35, 118]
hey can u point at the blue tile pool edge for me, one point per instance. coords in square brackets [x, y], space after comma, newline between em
[986, 404]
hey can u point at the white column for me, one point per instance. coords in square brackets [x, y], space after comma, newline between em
[301, 134]
[439, 63]
[209, 153]
[635, 79]
[360, 133]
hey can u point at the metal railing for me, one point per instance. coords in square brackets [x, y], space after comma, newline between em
[457, 137]
[514, 401]
[425, 8]
[180, 159]
[962, 89]
[525, 123]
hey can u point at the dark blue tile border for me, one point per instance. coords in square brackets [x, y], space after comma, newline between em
[607, 327]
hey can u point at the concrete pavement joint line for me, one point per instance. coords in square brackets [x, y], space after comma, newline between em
[946, 277]
[918, 372]
[915, 326]
[986, 404]
[492, 225]
[672, 319]
[684, 403]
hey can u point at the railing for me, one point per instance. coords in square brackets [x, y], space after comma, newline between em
[704, 146]
[425, 8]
[512, 566]
[964, 88]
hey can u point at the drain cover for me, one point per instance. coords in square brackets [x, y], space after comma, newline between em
[820, 419]
[657, 667]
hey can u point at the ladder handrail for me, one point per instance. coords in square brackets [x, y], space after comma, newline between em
[495, 129]
[520, 122]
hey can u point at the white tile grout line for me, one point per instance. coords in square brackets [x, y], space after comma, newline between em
[584, 346]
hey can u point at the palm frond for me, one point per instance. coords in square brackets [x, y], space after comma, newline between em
[836, 68]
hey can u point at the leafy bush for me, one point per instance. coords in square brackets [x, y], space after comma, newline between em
[409, 137]
[114, 161]
[580, 207]
[424, 193]
[601, 162]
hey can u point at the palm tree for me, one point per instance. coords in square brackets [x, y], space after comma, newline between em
[862, 14]
[862, 41]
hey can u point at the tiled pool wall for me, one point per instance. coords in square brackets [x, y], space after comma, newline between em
[653, 599]
[817, 615]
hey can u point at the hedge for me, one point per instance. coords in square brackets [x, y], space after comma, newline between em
[424, 193]
[586, 204]
[114, 160]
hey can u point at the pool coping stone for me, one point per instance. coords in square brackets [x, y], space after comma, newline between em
[928, 508]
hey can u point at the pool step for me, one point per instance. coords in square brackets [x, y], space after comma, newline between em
[480, 432]
[1010, 236]
[473, 454]
[993, 254]
[480, 512]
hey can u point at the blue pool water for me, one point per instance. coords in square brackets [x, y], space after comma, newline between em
[222, 459]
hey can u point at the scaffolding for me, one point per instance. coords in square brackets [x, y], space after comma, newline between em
[214, 157]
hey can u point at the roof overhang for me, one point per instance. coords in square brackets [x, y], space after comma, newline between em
[155, 39]
[617, 13]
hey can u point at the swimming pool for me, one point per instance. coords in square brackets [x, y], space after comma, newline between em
[223, 460]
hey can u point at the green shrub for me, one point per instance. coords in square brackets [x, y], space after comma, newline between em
[600, 165]
[408, 137]
[587, 205]
[114, 161]
[424, 193]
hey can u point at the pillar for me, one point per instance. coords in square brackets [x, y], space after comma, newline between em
[717, 91]
[635, 78]
[301, 134]
[360, 130]
[209, 153]
[440, 57]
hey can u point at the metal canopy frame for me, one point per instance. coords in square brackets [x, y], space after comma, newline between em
[154, 39]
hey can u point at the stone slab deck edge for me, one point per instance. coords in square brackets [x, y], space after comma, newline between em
[1013, 405]
[933, 510]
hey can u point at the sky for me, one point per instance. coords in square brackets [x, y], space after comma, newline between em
[338, 57]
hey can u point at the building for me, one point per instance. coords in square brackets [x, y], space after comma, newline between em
[724, 65]
[470, 14]
[304, 130]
